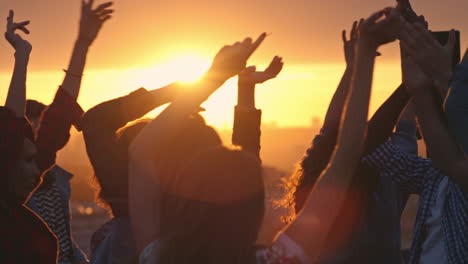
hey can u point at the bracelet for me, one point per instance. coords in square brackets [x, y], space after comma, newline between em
[72, 74]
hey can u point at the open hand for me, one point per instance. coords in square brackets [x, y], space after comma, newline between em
[414, 78]
[251, 76]
[433, 58]
[232, 59]
[14, 39]
[93, 19]
[374, 32]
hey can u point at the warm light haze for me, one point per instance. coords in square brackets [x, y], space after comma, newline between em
[153, 43]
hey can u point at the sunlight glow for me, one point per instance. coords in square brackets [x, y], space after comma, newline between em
[184, 68]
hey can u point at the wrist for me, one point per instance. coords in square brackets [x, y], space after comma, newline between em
[82, 43]
[22, 55]
[214, 75]
[367, 47]
[246, 95]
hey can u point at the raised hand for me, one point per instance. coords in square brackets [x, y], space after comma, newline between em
[414, 78]
[93, 19]
[374, 32]
[433, 58]
[349, 45]
[14, 39]
[251, 76]
[232, 59]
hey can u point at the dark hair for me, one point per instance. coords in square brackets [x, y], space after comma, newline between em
[113, 192]
[212, 209]
[34, 109]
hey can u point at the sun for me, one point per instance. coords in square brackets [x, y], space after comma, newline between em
[185, 68]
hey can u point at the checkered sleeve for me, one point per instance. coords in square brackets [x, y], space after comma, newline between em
[408, 171]
[54, 128]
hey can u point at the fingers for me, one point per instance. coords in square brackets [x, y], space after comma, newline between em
[256, 44]
[247, 42]
[22, 26]
[103, 6]
[354, 30]
[275, 67]
[343, 36]
[104, 19]
[11, 14]
[105, 13]
[376, 16]
[452, 40]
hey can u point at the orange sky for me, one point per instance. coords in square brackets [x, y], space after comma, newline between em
[137, 46]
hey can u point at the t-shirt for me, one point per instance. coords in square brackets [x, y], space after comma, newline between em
[150, 254]
[284, 251]
[433, 247]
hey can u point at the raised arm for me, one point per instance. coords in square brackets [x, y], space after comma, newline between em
[319, 154]
[381, 125]
[16, 99]
[428, 55]
[247, 118]
[334, 183]
[57, 119]
[155, 137]
[90, 24]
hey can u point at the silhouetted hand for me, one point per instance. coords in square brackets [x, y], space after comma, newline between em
[415, 80]
[350, 44]
[375, 33]
[433, 58]
[232, 59]
[18, 43]
[251, 76]
[92, 20]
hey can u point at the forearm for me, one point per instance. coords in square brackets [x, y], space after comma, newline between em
[159, 132]
[335, 109]
[246, 96]
[444, 151]
[72, 80]
[16, 99]
[334, 183]
[381, 125]
[354, 120]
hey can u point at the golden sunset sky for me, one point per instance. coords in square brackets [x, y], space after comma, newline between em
[151, 43]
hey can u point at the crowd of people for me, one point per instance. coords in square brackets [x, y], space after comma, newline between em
[177, 194]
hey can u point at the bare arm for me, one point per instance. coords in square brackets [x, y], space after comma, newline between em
[90, 25]
[443, 149]
[335, 109]
[143, 178]
[334, 183]
[16, 98]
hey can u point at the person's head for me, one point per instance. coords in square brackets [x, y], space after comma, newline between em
[17, 162]
[279, 205]
[34, 111]
[24, 173]
[212, 208]
[195, 137]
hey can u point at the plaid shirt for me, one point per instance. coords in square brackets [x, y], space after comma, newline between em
[416, 175]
